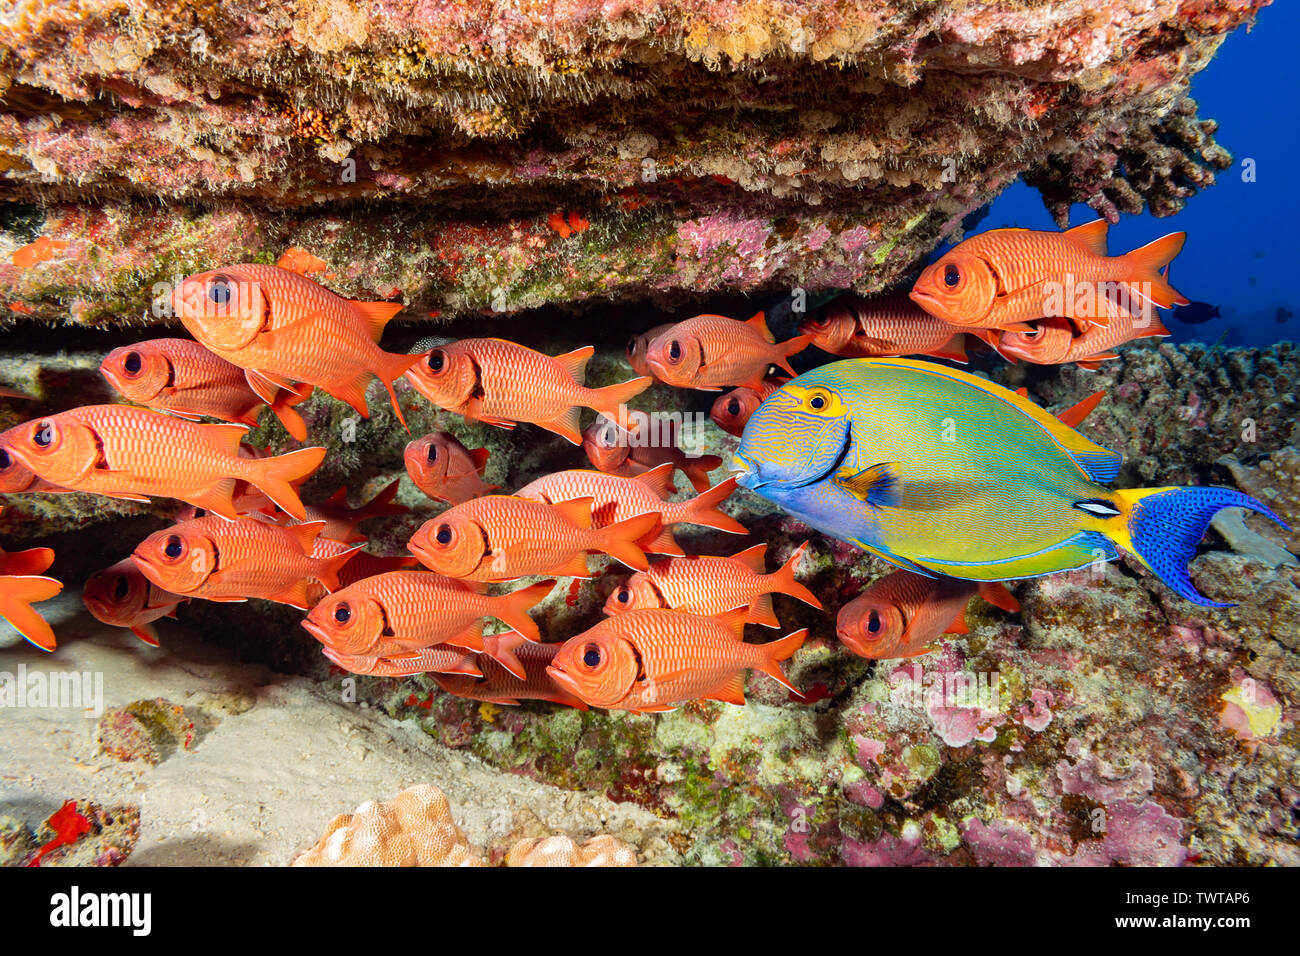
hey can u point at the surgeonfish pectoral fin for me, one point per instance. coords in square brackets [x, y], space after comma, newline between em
[877, 485]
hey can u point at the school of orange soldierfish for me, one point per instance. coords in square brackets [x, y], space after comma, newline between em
[266, 336]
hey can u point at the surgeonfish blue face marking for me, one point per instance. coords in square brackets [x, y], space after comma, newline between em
[799, 435]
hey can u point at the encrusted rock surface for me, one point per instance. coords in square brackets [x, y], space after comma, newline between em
[495, 157]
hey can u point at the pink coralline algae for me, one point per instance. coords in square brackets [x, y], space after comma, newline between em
[1136, 834]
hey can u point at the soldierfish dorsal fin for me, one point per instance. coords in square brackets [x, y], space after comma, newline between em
[758, 322]
[752, 558]
[734, 620]
[1091, 236]
[305, 534]
[576, 510]
[575, 362]
[376, 315]
[877, 485]
[658, 479]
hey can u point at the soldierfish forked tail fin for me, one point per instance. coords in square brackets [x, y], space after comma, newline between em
[790, 347]
[697, 471]
[275, 476]
[1145, 265]
[513, 609]
[17, 595]
[283, 409]
[777, 651]
[621, 541]
[783, 579]
[1162, 526]
[609, 400]
[703, 509]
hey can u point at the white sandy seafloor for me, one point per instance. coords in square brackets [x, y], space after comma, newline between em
[275, 758]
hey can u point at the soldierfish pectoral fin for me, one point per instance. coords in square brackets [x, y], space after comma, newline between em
[877, 485]
[17, 595]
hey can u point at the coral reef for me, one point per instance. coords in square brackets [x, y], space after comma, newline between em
[416, 828]
[525, 155]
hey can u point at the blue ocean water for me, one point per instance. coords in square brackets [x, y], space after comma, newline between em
[1241, 253]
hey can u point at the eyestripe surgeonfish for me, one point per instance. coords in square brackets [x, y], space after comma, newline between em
[944, 473]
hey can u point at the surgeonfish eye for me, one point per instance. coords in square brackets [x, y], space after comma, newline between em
[674, 351]
[873, 622]
[444, 534]
[437, 360]
[817, 402]
[44, 434]
[219, 290]
[121, 588]
[733, 407]
[591, 655]
[951, 276]
[343, 613]
[132, 363]
[432, 456]
[624, 595]
[173, 547]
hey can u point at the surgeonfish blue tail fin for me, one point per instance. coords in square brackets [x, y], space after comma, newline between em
[1164, 526]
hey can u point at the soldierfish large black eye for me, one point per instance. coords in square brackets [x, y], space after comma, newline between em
[5, 461]
[121, 588]
[437, 360]
[951, 276]
[219, 290]
[631, 346]
[44, 434]
[873, 622]
[624, 595]
[132, 363]
[733, 407]
[432, 455]
[444, 534]
[173, 547]
[591, 655]
[343, 613]
[674, 351]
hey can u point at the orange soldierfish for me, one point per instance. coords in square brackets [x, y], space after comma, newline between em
[709, 352]
[21, 585]
[616, 498]
[341, 520]
[445, 470]
[614, 452]
[653, 660]
[123, 597]
[1005, 278]
[186, 379]
[439, 660]
[731, 410]
[126, 452]
[220, 560]
[501, 383]
[888, 325]
[1054, 343]
[500, 538]
[710, 586]
[404, 611]
[281, 328]
[903, 613]
[637, 345]
[497, 685]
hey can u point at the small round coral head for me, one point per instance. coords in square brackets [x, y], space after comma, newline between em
[599, 668]
[224, 308]
[347, 621]
[871, 628]
[450, 544]
[138, 372]
[177, 559]
[958, 288]
[60, 450]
